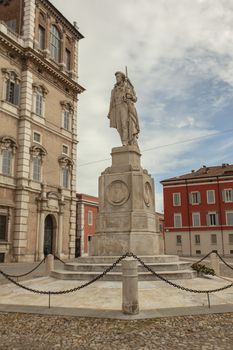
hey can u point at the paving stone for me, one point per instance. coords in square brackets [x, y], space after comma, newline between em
[37, 332]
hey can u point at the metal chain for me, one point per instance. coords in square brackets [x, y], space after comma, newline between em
[56, 257]
[26, 273]
[224, 261]
[206, 256]
[108, 270]
[68, 290]
[177, 285]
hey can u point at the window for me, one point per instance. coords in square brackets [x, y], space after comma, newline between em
[36, 172]
[230, 238]
[37, 153]
[41, 37]
[212, 219]
[176, 199]
[66, 165]
[194, 197]
[227, 195]
[12, 92]
[64, 149]
[196, 219]
[210, 196]
[55, 43]
[198, 252]
[3, 227]
[11, 86]
[90, 217]
[65, 177]
[39, 93]
[66, 120]
[178, 240]
[36, 137]
[197, 239]
[213, 239]
[39, 104]
[67, 59]
[177, 220]
[6, 161]
[229, 218]
[7, 151]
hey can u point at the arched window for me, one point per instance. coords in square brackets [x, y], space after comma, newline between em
[55, 43]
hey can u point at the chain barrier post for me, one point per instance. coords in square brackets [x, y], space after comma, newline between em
[208, 298]
[130, 304]
[215, 263]
[49, 264]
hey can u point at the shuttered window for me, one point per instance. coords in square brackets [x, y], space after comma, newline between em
[176, 199]
[65, 177]
[227, 195]
[196, 219]
[229, 218]
[12, 92]
[197, 239]
[195, 197]
[6, 161]
[213, 239]
[210, 196]
[177, 220]
[36, 171]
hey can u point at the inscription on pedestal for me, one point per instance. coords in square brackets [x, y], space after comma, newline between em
[117, 192]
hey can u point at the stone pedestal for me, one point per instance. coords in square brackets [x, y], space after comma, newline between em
[126, 221]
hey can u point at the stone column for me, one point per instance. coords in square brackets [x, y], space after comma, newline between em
[214, 263]
[60, 234]
[49, 262]
[130, 304]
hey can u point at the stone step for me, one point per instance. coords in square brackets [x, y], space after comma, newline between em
[179, 265]
[111, 259]
[117, 276]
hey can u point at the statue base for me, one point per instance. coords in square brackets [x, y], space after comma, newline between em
[126, 221]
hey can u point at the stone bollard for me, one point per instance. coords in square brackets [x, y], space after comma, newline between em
[49, 264]
[130, 286]
[215, 263]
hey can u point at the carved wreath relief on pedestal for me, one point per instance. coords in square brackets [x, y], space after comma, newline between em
[148, 199]
[117, 193]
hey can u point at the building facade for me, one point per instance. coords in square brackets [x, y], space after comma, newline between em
[87, 210]
[198, 212]
[38, 136]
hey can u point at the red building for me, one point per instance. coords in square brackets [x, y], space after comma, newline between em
[87, 209]
[198, 211]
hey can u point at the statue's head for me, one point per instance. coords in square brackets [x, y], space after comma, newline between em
[120, 77]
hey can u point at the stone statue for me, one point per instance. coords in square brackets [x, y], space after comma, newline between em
[122, 112]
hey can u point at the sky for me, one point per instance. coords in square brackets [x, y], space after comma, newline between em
[179, 55]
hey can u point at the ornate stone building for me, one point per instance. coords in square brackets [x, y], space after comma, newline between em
[38, 136]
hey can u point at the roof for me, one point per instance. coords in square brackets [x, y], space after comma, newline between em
[56, 12]
[205, 172]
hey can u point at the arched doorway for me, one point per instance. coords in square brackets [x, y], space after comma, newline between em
[48, 235]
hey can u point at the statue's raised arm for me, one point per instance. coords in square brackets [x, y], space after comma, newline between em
[122, 112]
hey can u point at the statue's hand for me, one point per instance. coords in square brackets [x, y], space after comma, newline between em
[129, 95]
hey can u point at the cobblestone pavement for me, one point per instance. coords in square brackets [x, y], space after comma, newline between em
[37, 332]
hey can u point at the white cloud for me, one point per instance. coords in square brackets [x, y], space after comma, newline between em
[170, 48]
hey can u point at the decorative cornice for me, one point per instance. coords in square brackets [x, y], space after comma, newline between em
[65, 161]
[60, 18]
[28, 54]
